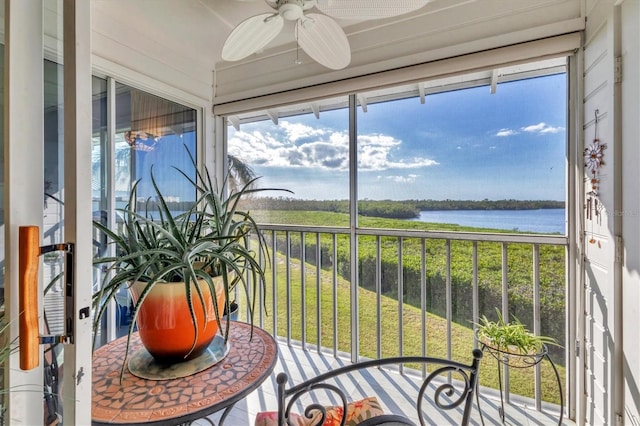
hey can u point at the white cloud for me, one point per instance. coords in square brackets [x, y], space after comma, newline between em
[299, 145]
[551, 129]
[542, 128]
[506, 132]
[375, 153]
[403, 179]
[297, 131]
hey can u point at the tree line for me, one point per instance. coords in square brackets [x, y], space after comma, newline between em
[405, 209]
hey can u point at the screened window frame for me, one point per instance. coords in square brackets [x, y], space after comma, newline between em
[537, 50]
[565, 46]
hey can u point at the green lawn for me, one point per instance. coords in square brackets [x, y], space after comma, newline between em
[521, 380]
[489, 273]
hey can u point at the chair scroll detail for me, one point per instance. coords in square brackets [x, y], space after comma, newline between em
[459, 390]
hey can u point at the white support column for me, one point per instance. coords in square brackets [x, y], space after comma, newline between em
[575, 296]
[24, 177]
[618, 391]
[78, 226]
[353, 225]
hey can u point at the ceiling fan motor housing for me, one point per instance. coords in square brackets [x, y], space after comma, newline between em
[292, 10]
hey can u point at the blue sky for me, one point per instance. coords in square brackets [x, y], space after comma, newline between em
[465, 144]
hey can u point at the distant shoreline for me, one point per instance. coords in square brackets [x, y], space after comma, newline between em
[389, 209]
[493, 208]
[489, 204]
[400, 209]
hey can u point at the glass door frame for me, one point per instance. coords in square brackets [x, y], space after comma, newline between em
[24, 191]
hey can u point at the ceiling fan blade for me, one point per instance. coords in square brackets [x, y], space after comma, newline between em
[251, 35]
[368, 9]
[322, 38]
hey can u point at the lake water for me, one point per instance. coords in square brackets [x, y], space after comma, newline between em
[546, 221]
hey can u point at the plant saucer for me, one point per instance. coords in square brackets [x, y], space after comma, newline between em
[143, 365]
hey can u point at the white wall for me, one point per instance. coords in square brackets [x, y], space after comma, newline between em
[178, 42]
[630, 52]
[134, 46]
[612, 267]
[128, 43]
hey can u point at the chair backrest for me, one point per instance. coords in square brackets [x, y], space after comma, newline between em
[446, 394]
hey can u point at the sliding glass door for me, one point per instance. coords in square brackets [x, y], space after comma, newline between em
[136, 134]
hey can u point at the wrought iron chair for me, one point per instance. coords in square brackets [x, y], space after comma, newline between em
[446, 393]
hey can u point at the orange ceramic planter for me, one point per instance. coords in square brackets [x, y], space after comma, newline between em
[164, 322]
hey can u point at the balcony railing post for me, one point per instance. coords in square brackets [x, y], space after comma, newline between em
[274, 282]
[536, 321]
[448, 298]
[400, 301]
[476, 290]
[505, 307]
[318, 292]
[423, 300]
[334, 315]
[288, 275]
[303, 292]
[379, 296]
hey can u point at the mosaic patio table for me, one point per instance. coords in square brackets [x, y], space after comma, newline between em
[181, 400]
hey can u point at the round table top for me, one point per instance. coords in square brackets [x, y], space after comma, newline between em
[249, 362]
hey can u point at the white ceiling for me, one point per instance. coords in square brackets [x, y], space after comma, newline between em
[198, 28]
[178, 43]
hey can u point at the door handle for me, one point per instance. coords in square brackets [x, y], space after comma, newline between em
[29, 251]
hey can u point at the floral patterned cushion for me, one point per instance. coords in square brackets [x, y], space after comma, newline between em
[270, 418]
[357, 411]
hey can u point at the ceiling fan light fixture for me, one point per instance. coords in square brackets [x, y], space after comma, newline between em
[291, 10]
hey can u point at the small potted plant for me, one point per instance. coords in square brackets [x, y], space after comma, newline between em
[194, 261]
[511, 342]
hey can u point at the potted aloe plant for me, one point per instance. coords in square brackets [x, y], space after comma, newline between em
[194, 260]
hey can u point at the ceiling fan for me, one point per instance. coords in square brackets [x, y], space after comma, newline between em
[318, 34]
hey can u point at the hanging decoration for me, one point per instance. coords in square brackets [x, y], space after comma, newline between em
[140, 141]
[593, 161]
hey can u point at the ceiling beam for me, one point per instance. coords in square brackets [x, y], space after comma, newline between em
[363, 102]
[316, 110]
[273, 115]
[494, 81]
[235, 121]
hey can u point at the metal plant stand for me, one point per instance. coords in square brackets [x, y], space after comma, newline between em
[515, 360]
